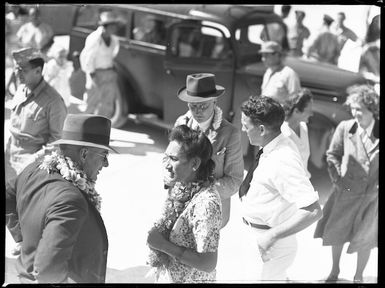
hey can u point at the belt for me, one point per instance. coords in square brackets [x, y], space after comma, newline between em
[258, 226]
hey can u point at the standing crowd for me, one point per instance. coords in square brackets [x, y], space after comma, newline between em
[52, 162]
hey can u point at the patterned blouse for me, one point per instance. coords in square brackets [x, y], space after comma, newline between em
[196, 228]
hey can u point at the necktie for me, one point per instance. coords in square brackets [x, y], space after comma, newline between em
[246, 182]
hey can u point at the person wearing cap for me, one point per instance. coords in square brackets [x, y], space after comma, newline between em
[325, 47]
[35, 33]
[97, 61]
[297, 33]
[277, 198]
[201, 94]
[279, 80]
[343, 33]
[57, 210]
[37, 113]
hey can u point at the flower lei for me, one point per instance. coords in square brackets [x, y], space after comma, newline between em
[56, 162]
[215, 123]
[178, 198]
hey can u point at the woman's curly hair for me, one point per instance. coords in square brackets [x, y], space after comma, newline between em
[365, 94]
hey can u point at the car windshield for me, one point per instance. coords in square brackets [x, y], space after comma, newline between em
[249, 39]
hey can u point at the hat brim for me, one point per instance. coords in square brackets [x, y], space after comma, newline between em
[83, 143]
[182, 95]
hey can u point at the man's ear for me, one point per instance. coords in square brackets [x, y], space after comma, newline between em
[83, 154]
[262, 129]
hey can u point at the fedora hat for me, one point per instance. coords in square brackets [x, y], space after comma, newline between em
[200, 87]
[108, 17]
[86, 130]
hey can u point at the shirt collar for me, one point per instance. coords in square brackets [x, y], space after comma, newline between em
[272, 144]
[39, 87]
[368, 130]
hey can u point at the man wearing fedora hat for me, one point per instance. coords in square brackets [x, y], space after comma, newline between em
[201, 94]
[97, 61]
[325, 47]
[57, 209]
[279, 80]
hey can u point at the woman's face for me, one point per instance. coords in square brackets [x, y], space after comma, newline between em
[363, 116]
[175, 165]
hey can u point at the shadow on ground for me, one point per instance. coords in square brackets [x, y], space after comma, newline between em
[135, 274]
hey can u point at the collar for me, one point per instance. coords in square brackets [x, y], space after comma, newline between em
[39, 87]
[368, 130]
[272, 144]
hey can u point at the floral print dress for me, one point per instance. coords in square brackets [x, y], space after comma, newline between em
[196, 228]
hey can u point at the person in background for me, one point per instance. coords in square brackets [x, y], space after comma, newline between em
[277, 198]
[298, 109]
[57, 210]
[279, 80]
[192, 237]
[325, 47]
[297, 33]
[343, 33]
[152, 31]
[97, 61]
[37, 116]
[201, 94]
[77, 80]
[57, 72]
[35, 33]
[370, 57]
[351, 211]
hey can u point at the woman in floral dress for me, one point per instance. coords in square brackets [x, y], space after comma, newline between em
[184, 241]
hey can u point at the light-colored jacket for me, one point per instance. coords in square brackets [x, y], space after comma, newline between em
[228, 158]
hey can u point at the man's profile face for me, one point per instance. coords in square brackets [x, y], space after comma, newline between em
[253, 131]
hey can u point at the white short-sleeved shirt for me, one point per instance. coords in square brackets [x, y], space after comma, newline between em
[280, 185]
[280, 84]
[302, 141]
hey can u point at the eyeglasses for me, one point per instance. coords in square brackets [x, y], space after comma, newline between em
[104, 156]
[199, 107]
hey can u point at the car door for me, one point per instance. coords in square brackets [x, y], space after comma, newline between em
[196, 47]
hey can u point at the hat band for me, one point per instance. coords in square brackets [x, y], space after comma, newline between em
[201, 94]
[86, 137]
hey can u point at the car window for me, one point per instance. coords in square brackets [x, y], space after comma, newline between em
[149, 28]
[249, 39]
[199, 42]
[88, 17]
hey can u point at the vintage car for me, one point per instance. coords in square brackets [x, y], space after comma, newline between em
[162, 44]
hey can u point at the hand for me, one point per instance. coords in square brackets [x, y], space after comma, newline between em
[265, 242]
[155, 239]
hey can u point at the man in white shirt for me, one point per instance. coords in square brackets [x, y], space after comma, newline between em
[35, 33]
[280, 200]
[97, 61]
[279, 80]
